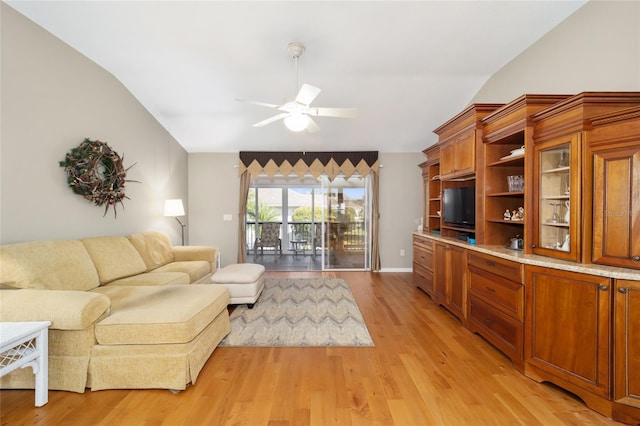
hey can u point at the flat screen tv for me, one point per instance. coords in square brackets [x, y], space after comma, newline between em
[459, 206]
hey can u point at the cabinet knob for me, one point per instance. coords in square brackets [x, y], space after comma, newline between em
[533, 246]
[623, 290]
[490, 263]
[604, 287]
[635, 258]
[490, 290]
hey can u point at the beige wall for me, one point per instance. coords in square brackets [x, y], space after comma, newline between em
[52, 97]
[595, 49]
[400, 207]
[214, 183]
[214, 188]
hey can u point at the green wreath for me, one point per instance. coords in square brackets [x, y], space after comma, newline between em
[96, 172]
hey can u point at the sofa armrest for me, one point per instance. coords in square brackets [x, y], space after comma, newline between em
[66, 309]
[186, 253]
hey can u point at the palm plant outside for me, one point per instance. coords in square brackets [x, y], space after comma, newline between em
[265, 213]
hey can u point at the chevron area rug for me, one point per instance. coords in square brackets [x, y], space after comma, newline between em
[300, 312]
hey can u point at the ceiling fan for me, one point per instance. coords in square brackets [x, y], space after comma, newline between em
[297, 113]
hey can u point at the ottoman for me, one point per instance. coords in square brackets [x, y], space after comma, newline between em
[245, 282]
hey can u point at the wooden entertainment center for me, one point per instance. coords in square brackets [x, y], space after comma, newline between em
[549, 273]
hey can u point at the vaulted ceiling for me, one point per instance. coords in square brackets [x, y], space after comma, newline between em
[406, 66]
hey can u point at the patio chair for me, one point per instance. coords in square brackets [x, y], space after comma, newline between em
[269, 237]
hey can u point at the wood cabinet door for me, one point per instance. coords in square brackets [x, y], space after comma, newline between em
[627, 343]
[440, 272]
[557, 200]
[450, 278]
[457, 289]
[616, 204]
[447, 160]
[465, 153]
[458, 156]
[568, 326]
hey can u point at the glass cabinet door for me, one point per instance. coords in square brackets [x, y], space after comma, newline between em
[557, 184]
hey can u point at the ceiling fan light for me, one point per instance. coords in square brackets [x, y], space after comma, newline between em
[296, 122]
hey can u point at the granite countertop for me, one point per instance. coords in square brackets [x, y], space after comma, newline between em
[534, 259]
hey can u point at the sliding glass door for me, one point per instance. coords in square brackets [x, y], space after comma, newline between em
[328, 221]
[346, 223]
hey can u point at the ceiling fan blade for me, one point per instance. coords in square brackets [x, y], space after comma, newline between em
[258, 103]
[334, 112]
[307, 94]
[271, 120]
[312, 127]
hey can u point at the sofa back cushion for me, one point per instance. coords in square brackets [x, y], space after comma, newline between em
[154, 247]
[114, 257]
[51, 265]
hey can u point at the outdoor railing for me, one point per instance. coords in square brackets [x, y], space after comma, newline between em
[347, 236]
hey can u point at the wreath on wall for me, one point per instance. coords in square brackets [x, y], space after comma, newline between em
[96, 172]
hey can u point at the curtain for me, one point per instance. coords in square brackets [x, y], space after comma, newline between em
[301, 163]
[375, 221]
[245, 183]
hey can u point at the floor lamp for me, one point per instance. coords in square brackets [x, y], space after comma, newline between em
[174, 208]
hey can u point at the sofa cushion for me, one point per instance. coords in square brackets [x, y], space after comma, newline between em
[67, 310]
[52, 265]
[159, 315]
[196, 269]
[114, 257]
[153, 279]
[154, 247]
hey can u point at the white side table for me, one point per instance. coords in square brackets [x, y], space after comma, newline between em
[25, 344]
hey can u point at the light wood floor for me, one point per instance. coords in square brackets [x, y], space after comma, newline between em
[426, 369]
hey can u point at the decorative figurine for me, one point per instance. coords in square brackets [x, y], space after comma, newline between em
[521, 213]
[507, 215]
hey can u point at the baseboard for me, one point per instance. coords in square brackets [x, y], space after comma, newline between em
[396, 270]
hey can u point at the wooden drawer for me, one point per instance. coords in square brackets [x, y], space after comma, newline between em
[508, 269]
[422, 241]
[423, 278]
[504, 332]
[503, 294]
[423, 256]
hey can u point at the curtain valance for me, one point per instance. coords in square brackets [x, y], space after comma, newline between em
[316, 163]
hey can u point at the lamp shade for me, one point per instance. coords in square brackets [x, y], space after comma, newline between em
[296, 122]
[173, 208]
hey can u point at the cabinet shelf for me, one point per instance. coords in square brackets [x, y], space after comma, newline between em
[510, 222]
[566, 169]
[458, 228]
[506, 194]
[511, 161]
[556, 197]
[557, 224]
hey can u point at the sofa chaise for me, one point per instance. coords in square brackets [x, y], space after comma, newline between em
[127, 312]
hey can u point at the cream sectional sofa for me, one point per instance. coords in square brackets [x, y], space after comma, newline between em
[126, 311]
